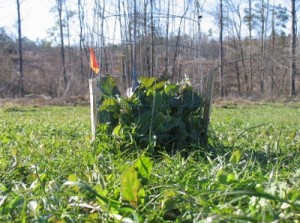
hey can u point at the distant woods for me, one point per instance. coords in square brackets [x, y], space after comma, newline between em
[252, 46]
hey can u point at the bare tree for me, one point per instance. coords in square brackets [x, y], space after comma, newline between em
[258, 18]
[167, 39]
[278, 24]
[59, 7]
[249, 22]
[68, 17]
[236, 21]
[21, 75]
[81, 37]
[262, 15]
[293, 48]
[221, 70]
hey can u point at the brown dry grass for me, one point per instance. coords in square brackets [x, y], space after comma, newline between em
[44, 101]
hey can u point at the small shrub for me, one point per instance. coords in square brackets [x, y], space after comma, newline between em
[157, 114]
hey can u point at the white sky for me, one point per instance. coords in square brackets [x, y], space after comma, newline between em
[36, 18]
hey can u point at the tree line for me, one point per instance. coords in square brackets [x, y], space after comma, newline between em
[251, 46]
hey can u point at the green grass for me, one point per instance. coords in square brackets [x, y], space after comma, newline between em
[50, 172]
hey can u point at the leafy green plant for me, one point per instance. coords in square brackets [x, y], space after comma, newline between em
[158, 113]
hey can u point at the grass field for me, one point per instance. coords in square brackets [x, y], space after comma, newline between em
[50, 172]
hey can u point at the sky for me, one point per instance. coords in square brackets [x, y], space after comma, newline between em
[36, 18]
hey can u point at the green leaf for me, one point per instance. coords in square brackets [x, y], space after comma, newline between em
[171, 89]
[101, 192]
[160, 122]
[159, 102]
[147, 81]
[144, 165]
[110, 105]
[236, 157]
[105, 117]
[173, 122]
[143, 121]
[108, 86]
[295, 195]
[130, 185]
[190, 98]
[230, 178]
[92, 217]
[117, 130]
[222, 176]
[87, 189]
[73, 178]
[15, 202]
[159, 85]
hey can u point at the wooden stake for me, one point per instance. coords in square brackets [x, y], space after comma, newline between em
[207, 104]
[93, 106]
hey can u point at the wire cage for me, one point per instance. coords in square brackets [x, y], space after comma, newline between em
[144, 48]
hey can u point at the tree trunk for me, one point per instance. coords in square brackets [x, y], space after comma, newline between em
[152, 39]
[262, 49]
[165, 71]
[239, 48]
[250, 44]
[62, 47]
[237, 69]
[81, 40]
[134, 52]
[272, 83]
[222, 82]
[293, 49]
[68, 38]
[21, 75]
